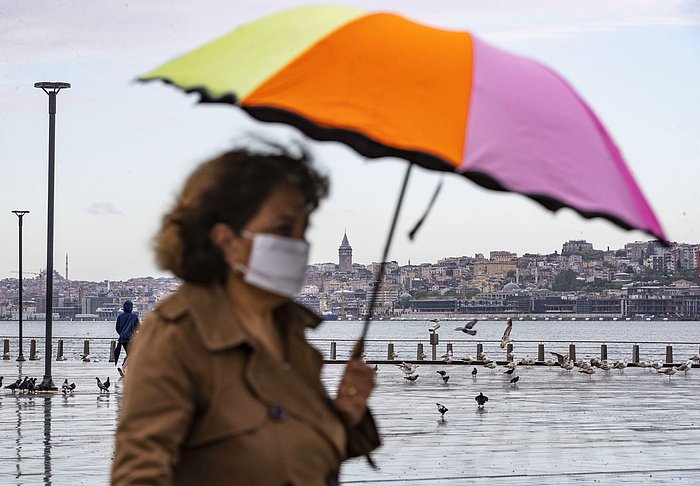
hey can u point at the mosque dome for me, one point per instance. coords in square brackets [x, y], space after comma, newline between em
[406, 295]
[511, 287]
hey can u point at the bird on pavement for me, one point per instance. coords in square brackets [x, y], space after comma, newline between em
[408, 368]
[695, 357]
[14, 386]
[506, 334]
[509, 371]
[446, 378]
[435, 326]
[474, 372]
[668, 371]
[514, 380]
[481, 399]
[441, 372]
[467, 328]
[442, 409]
[685, 367]
[412, 378]
[104, 387]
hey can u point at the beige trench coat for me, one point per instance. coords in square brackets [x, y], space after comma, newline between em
[203, 403]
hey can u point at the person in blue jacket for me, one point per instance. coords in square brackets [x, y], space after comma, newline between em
[127, 324]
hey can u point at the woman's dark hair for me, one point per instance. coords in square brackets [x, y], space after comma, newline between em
[229, 189]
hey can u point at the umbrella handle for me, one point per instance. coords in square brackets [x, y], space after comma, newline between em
[360, 345]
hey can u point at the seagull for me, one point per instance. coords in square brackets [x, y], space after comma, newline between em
[514, 380]
[506, 334]
[669, 371]
[442, 373]
[468, 359]
[695, 357]
[588, 371]
[442, 409]
[467, 328]
[445, 378]
[491, 364]
[423, 355]
[481, 399]
[657, 365]
[435, 326]
[550, 362]
[474, 372]
[408, 368]
[412, 378]
[561, 359]
[104, 387]
[509, 371]
[685, 367]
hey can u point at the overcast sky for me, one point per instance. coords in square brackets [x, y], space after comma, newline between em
[123, 148]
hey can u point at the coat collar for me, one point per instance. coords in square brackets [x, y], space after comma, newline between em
[215, 320]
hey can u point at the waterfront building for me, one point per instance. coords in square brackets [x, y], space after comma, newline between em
[575, 246]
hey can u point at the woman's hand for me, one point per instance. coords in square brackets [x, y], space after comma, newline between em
[354, 390]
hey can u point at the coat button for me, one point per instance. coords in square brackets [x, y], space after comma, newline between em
[277, 413]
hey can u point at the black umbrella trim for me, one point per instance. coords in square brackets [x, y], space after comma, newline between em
[372, 149]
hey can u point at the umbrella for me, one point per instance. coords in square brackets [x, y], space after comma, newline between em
[445, 100]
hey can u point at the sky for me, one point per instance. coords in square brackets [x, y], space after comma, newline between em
[123, 149]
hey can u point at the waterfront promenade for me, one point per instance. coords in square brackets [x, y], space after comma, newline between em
[552, 427]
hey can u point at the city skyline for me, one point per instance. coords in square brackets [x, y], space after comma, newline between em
[124, 149]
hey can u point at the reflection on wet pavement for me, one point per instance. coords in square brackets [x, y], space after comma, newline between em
[553, 428]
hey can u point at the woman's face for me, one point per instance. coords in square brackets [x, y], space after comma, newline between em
[283, 213]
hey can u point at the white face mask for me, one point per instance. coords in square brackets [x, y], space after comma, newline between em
[276, 264]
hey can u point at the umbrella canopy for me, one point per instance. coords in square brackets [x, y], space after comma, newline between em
[387, 86]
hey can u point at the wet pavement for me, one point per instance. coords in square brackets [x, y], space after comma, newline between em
[553, 427]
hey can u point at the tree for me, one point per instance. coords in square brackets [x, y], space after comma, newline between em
[566, 280]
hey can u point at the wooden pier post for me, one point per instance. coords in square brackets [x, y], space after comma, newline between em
[540, 352]
[112, 351]
[59, 352]
[509, 352]
[669, 354]
[32, 350]
[449, 349]
[603, 352]
[390, 352]
[86, 351]
[434, 341]
[479, 350]
[5, 349]
[333, 350]
[572, 352]
[635, 354]
[419, 352]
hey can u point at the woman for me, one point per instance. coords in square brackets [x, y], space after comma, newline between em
[223, 387]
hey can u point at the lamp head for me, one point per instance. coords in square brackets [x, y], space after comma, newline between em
[20, 213]
[57, 86]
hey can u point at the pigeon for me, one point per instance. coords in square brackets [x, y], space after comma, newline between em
[514, 380]
[14, 386]
[23, 386]
[442, 409]
[481, 399]
[509, 371]
[412, 378]
[1, 378]
[104, 387]
[467, 328]
[474, 372]
[442, 373]
[31, 385]
[446, 378]
[506, 334]
[376, 369]
[435, 326]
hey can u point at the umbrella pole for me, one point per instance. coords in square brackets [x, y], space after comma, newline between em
[360, 346]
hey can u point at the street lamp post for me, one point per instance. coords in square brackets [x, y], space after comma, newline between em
[20, 215]
[51, 89]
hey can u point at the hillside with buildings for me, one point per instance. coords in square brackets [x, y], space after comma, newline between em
[641, 280]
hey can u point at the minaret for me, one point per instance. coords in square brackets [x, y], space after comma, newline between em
[66, 266]
[345, 255]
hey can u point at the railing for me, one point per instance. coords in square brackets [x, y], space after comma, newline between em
[378, 350]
